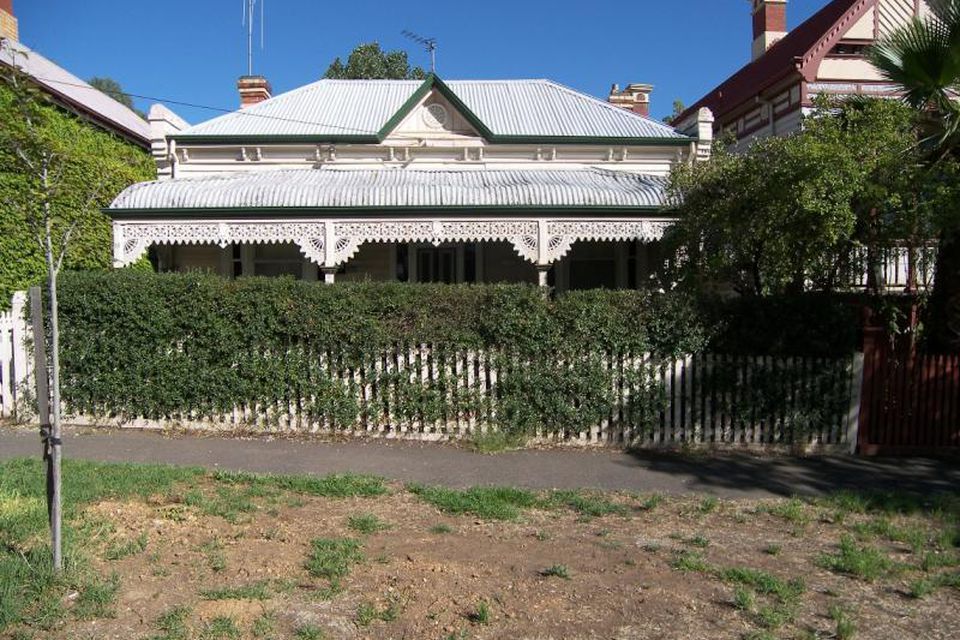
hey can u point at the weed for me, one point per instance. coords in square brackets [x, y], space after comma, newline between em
[338, 485]
[331, 558]
[743, 599]
[922, 588]
[775, 616]
[213, 552]
[309, 632]
[651, 502]
[263, 627]
[441, 528]
[220, 628]
[97, 598]
[366, 523]
[481, 615]
[860, 561]
[494, 503]
[255, 591]
[690, 561]
[846, 627]
[772, 549]
[173, 624]
[708, 505]
[367, 612]
[698, 541]
[496, 442]
[764, 583]
[590, 505]
[793, 510]
[128, 548]
[557, 571]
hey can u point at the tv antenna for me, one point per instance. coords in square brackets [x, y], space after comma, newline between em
[249, 17]
[429, 44]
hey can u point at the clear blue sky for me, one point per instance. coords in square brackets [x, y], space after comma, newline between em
[193, 50]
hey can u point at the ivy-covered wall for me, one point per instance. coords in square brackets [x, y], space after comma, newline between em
[96, 157]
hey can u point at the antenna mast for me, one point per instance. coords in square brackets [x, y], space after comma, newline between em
[429, 45]
[249, 9]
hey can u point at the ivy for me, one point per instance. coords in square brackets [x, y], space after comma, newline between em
[94, 157]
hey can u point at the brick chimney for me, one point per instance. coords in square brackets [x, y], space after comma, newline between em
[8, 21]
[636, 98]
[769, 24]
[253, 90]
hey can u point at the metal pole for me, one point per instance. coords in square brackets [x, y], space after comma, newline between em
[42, 376]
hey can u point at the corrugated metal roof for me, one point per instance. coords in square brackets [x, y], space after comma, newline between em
[545, 108]
[381, 188]
[534, 108]
[71, 89]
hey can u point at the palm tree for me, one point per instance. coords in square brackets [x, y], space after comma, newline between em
[923, 58]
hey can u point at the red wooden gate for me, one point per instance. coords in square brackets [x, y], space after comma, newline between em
[910, 402]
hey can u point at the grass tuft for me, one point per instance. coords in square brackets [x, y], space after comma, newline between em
[118, 551]
[481, 615]
[441, 528]
[331, 558]
[862, 562]
[493, 503]
[367, 523]
[846, 628]
[173, 624]
[690, 561]
[220, 628]
[556, 571]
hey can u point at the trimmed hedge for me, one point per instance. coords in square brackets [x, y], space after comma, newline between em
[191, 345]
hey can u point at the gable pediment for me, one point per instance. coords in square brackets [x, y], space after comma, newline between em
[434, 117]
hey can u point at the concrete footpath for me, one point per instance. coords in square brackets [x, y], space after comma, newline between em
[725, 475]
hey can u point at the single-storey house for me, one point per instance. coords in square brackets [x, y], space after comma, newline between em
[408, 180]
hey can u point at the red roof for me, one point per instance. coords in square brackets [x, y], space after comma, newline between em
[790, 55]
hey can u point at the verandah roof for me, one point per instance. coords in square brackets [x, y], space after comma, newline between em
[390, 189]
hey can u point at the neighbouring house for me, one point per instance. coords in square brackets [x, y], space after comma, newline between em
[67, 90]
[419, 181]
[826, 54]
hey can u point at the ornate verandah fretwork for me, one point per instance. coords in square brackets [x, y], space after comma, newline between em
[331, 243]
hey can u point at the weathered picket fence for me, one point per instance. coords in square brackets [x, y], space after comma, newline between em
[431, 393]
[14, 360]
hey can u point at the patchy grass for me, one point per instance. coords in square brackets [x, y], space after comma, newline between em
[708, 504]
[309, 632]
[366, 523]
[650, 503]
[120, 550]
[338, 485]
[441, 528]
[690, 561]
[254, 591]
[496, 442]
[220, 628]
[493, 503]
[331, 558]
[173, 624]
[214, 555]
[591, 505]
[793, 510]
[97, 599]
[367, 613]
[845, 627]
[864, 561]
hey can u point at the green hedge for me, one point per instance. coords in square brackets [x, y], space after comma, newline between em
[172, 345]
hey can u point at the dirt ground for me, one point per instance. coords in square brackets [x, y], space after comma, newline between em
[434, 575]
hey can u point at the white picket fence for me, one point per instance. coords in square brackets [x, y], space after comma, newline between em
[701, 399]
[15, 360]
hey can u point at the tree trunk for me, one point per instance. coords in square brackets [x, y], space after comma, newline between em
[55, 433]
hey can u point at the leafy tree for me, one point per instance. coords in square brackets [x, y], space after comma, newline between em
[678, 109]
[369, 61]
[113, 89]
[788, 213]
[923, 57]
